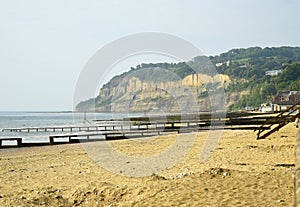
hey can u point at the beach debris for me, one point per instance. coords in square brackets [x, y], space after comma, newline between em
[181, 175]
[285, 165]
[219, 171]
[252, 146]
[225, 174]
[216, 171]
[280, 201]
[58, 196]
[155, 176]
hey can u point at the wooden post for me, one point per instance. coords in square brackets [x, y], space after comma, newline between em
[84, 119]
[51, 140]
[19, 142]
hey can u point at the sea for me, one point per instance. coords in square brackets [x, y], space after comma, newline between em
[25, 119]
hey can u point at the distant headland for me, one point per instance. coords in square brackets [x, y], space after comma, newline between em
[249, 77]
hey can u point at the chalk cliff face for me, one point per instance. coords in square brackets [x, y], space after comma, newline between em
[159, 93]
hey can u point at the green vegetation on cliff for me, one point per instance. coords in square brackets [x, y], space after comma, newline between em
[246, 68]
[252, 64]
[263, 89]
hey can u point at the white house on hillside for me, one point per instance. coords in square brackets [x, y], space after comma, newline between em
[273, 72]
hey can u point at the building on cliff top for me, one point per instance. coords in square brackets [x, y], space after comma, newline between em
[284, 100]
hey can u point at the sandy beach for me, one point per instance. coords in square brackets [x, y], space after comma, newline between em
[241, 171]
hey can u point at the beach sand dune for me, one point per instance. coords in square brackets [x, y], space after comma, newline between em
[241, 171]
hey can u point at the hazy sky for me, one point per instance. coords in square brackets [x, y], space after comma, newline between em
[45, 44]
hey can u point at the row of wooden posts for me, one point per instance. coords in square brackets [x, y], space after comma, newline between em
[142, 126]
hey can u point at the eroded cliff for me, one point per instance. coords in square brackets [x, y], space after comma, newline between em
[137, 93]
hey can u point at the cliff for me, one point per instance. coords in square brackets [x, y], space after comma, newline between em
[130, 93]
[175, 87]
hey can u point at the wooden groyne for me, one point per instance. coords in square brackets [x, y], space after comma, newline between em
[283, 118]
[148, 126]
[17, 139]
[73, 128]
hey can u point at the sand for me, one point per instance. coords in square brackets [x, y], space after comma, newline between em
[241, 171]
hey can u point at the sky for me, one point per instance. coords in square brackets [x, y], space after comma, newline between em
[44, 45]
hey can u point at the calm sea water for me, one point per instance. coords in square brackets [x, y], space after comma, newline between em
[46, 119]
